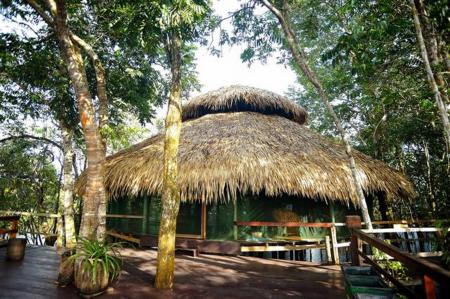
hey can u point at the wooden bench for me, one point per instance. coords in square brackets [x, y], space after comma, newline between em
[192, 251]
[12, 231]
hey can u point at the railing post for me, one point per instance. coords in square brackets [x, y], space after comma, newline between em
[328, 249]
[354, 222]
[235, 216]
[430, 291]
[334, 248]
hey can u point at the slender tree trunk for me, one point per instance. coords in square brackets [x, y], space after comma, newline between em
[171, 191]
[431, 79]
[67, 202]
[431, 202]
[95, 191]
[400, 158]
[60, 241]
[430, 38]
[300, 59]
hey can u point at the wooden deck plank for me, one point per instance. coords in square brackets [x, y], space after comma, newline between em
[207, 276]
[33, 277]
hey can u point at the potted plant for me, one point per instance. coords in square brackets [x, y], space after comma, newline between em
[96, 264]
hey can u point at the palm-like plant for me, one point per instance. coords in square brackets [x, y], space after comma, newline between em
[95, 254]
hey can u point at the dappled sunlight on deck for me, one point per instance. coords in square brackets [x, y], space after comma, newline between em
[206, 276]
[213, 276]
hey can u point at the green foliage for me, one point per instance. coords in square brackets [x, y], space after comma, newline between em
[96, 254]
[28, 178]
[395, 268]
[122, 136]
[365, 54]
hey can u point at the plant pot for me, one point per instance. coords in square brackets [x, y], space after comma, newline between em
[87, 286]
[16, 249]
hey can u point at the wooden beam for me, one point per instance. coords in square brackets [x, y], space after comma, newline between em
[123, 237]
[284, 224]
[404, 221]
[334, 245]
[203, 223]
[267, 248]
[343, 244]
[328, 249]
[188, 236]
[402, 230]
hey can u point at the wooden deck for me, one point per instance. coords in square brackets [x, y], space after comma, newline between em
[207, 276]
[33, 277]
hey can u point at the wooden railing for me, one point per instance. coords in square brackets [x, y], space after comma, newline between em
[284, 224]
[30, 225]
[12, 231]
[429, 271]
[331, 244]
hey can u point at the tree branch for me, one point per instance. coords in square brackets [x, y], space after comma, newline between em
[232, 14]
[41, 12]
[272, 8]
[27, 136]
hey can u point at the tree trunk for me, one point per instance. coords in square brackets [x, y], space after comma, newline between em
[100, 83]
[170, 192]
[90, 228]
[67, 202]
[431, 201]
[60, 242]
[300, 59]
[430, 38]
[103, 119]
[430, 75]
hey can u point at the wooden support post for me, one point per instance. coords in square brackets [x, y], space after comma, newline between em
[235, 227]
[334, 247]
[332, 213]
[354, 222]
[145, 216]
[430, 291]
[328, 248]
[203, 225]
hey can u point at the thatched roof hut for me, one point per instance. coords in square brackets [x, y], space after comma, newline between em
[238, 140]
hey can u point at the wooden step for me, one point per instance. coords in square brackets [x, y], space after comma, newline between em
[364, 282]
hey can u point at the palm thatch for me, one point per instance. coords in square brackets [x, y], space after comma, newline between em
[237, 98]
[226, 153]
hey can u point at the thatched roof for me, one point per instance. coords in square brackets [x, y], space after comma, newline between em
[237, 98]
[224, 153]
